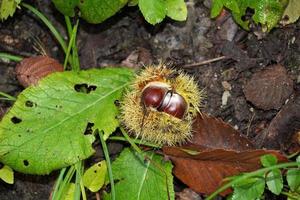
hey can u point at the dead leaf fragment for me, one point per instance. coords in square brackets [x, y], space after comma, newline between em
[215, 152]
[30, 70]
[269, 88]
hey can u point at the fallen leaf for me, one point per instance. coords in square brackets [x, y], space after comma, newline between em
[291, 13]
[211, 132]
[32, 69]
[283, 126]
[269, 88]
[216, 151]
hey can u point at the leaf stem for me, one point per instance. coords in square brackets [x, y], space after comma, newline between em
[107, 158]
[8, 97]
[10, 57]
[248, 175]
[137, 141]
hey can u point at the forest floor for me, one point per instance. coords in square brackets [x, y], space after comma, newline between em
[230, 83]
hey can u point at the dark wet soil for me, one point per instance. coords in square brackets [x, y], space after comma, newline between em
[127, 35]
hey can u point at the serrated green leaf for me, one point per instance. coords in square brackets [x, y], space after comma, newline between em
[293, 179]
[275, 181]
[7, 174]
[140, 180]
[268, 160]
[249, 189]
[93, 11]
[292, 12]
[154, 11]
[8, 8]
[176, 9]
[44, 130]
[94, 177]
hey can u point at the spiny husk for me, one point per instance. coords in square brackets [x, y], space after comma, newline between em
[159, 127]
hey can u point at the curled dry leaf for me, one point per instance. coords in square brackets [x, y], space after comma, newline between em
[215, 152]
[30, 70]
[269, 88]
[283, 126]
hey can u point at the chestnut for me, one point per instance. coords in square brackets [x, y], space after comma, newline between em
[164, 100]
[174, 104]
[153, 96]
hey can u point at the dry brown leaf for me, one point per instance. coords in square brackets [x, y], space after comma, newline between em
[30, 70]
[269, 88]
[215, 152]
[205, 171]
[211, 132]
[283, 126]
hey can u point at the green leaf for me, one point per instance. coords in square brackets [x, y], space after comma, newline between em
[8, 8]
[7, 174]
[216, 8]
[268, 160]
[45, 129]
[94, 177]
[293, 179]
[137, 179]
[266, 12]
[93, 11]
[154, 11]
[275, 181]
[70, 191]
[249, 189]
[133, 2]
[292, 12]
[66, 6]
[176, 9]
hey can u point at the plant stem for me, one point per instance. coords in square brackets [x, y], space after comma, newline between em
[137, 141]
[11, 57]
[70, 47]
[110, 174]
[62, 184]
[54, 31]
[134, 146]
[58, 182]
[78, 181]
[8, 97]
[248, 175]
[290, 196]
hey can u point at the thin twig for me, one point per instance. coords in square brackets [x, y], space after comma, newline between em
[205, 62]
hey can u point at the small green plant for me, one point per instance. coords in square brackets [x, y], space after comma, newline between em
[251, 186]
[94, 11]
[266, 13]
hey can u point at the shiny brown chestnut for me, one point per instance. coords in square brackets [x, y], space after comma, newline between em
[164, 100]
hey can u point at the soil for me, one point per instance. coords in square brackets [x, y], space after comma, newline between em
[127, 36]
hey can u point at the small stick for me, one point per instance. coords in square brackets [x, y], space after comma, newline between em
[205, 62]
